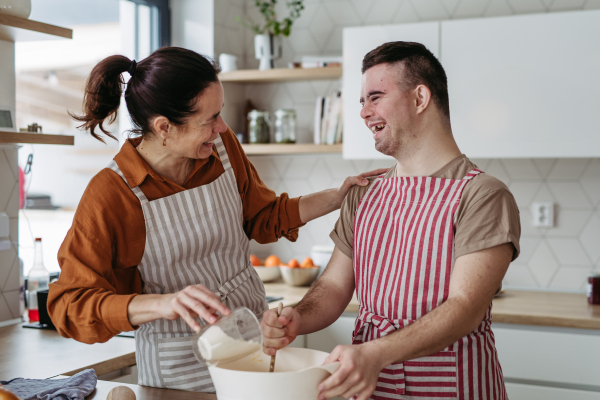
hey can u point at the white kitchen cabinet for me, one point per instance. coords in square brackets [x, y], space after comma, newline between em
[549, 363]
[340, 332]
[524, 86]
[358, 41]
[518, 391]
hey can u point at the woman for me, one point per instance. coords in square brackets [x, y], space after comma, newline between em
[161, 236]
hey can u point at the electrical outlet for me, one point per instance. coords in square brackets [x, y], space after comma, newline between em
[543, 214]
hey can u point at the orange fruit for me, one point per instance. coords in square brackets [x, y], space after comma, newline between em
[307, 263]
[294, 263]
[273, 261]
[255, 260]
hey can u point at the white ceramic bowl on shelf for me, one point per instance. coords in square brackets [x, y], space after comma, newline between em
[297, 374]
[299, 276]
[267, 274]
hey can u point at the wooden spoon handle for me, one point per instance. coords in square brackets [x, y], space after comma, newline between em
[272, 365]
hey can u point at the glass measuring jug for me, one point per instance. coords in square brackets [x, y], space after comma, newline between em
[232, 337]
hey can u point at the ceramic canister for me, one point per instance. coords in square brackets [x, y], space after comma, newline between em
[18, 8]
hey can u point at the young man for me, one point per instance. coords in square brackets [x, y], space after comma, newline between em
[425, 246]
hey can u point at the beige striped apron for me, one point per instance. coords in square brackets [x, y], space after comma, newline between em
[195, 236]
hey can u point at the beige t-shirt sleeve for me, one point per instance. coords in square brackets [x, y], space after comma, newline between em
[487, 214]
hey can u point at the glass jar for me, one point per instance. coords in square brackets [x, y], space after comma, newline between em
[285, 126]
[260, 127]
[593, 289]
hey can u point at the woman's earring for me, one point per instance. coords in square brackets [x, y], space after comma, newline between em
[164, 142]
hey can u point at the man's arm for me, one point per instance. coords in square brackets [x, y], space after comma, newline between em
[474, 281]
[321, 306]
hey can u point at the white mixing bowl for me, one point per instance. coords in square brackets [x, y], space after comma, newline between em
[297, 374]
[267, 274]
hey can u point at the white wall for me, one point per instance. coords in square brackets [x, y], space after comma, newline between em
[192, 25]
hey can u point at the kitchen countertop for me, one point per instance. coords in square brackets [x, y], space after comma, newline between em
[148, 393]
[569, 310]
[39, 354]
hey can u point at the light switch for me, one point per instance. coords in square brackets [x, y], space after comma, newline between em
[4, 225]
[543, 214]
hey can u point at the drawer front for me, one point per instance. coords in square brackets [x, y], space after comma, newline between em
[517, 391]
[557, 355]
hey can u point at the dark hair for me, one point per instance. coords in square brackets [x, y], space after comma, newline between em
[165, 83]
[420, 68]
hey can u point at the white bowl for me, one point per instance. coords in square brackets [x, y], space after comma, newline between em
[19, 8]
[267, 274]
[297, 374]
[299, 276]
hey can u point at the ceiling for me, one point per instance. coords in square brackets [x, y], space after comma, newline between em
[68, 13]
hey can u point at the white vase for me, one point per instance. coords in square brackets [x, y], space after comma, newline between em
[18, 8]
[267, 48]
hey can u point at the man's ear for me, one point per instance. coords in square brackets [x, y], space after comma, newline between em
[423, 98]
[161, 126]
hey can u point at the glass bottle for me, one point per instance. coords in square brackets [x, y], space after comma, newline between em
[260, 127]
[37, 280]
[285, 126]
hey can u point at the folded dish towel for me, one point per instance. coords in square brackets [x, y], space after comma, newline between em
[76, 387]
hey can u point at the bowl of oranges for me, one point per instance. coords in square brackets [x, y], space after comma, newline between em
[269, 271]
[299, 274]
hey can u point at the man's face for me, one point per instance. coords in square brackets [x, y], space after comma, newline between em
[387, 108]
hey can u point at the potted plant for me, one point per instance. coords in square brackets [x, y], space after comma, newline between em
[267, 42]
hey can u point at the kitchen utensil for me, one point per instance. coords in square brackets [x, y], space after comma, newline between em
[232, 337]
[297, 374]
[267, 274]
[121, 393]
[272, 366]
[299, 276]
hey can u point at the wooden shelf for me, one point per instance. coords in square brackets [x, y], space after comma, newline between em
[17, 29]
[275, 148]
[35, 138]
[280, 75]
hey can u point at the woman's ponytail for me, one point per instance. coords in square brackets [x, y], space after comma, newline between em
[102, 97]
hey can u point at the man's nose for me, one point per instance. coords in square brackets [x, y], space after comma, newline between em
[365, 112]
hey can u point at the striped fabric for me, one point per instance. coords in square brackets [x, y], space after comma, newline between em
[403, 260]
[195, 236]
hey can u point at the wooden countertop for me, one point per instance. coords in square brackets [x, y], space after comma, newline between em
[148, 393]
[41, 354]
[567, 310]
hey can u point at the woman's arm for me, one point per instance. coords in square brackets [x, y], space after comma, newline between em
[316, 205]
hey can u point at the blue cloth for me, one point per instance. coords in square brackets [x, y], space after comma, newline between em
[76, 387]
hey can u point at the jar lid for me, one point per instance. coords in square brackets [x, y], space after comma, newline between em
[282, 112]
[256, 114]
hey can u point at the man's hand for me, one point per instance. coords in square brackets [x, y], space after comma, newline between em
[280, 331]
[357, 375]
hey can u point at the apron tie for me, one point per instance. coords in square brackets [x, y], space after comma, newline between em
[370, 326]
[226, 288]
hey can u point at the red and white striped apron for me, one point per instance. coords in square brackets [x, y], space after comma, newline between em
[403, 260]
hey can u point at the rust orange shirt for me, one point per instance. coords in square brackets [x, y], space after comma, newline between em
[100, 254]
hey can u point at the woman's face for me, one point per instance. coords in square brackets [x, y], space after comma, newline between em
[195, 139]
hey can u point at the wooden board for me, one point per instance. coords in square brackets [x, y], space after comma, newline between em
[280, 74]
[274, 148]
[148, 393]
[41, 354]
[16, 29]
[35, 138]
